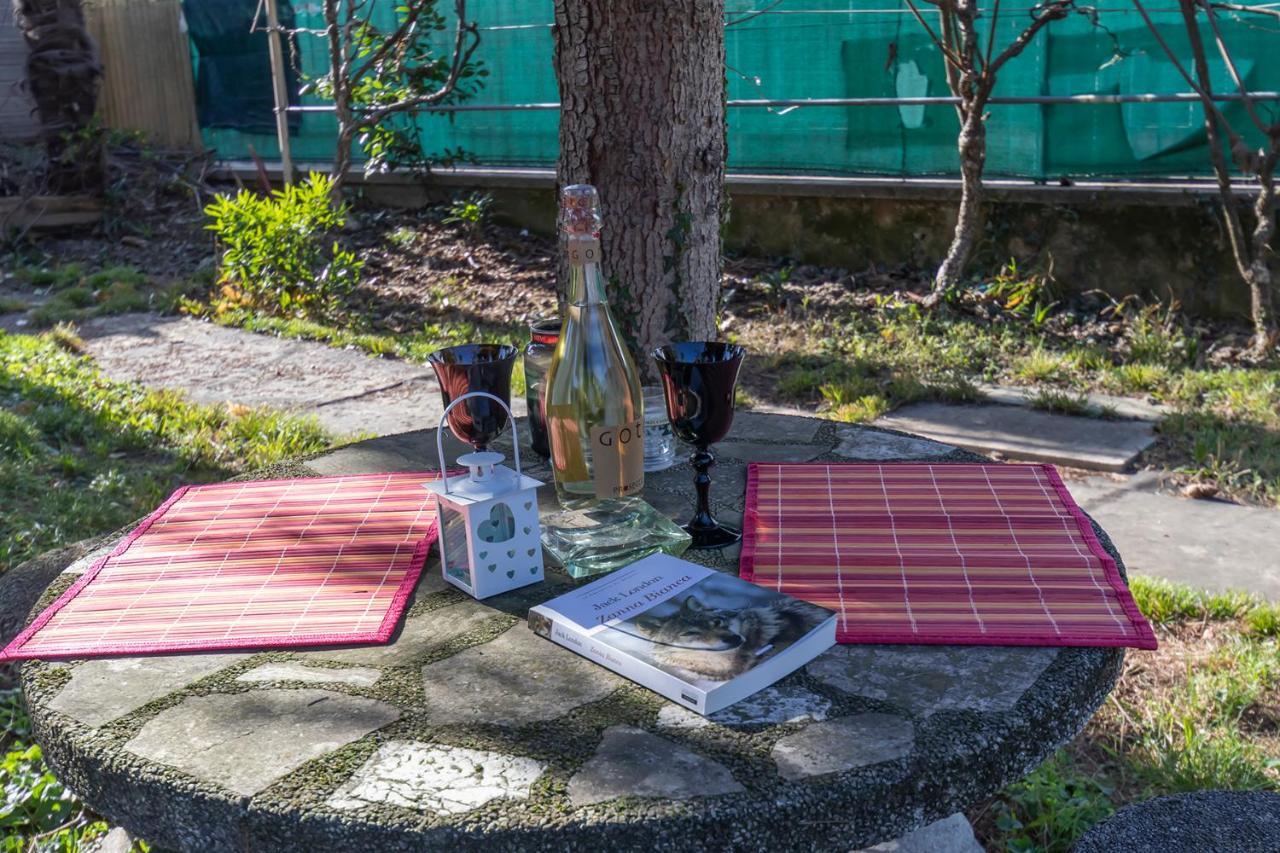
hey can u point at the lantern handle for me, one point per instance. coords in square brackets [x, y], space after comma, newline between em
[515, 436]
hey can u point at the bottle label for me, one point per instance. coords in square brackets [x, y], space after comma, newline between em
[583, 250]
[617, 457]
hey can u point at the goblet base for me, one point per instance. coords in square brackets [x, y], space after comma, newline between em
[709, 538]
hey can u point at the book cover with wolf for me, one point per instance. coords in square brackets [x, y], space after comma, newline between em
[702, 638]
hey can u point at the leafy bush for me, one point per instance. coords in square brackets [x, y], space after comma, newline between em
[1051, 808]
[276, 251]
[1027, 296]
[472, 213]
[33, 803]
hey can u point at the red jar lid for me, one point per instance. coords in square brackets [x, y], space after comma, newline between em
[545, 331]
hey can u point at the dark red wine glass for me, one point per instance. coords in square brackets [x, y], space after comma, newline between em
[699, 379]
[475, 367]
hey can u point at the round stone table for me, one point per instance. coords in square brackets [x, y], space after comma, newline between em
[470, 732]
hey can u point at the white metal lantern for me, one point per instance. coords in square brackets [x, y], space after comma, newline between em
[490, 539]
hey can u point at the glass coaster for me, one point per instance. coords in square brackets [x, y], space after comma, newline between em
[609, 535]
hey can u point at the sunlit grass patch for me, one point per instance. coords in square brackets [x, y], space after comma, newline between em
[1062, 403]
[1138, 378]
[81, 454]
[1201, 712]
[1041, 366]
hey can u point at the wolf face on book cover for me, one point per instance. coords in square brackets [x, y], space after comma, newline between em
[717, 630]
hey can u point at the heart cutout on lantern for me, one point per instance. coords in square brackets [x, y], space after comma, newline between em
[531, 550]
[526, 530]
[533, 571]
[528, 505]
[511, 573]
[511, 554]
[499, 526]
[493, 567]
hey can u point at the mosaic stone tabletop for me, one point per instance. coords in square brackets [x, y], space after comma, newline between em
[469, 732]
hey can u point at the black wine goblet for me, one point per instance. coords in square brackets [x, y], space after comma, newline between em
[475, 367]
[698, 380]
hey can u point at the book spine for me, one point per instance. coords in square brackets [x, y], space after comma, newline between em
[575, 639]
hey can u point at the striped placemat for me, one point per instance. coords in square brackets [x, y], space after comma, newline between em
[910, 552]
[263, 564]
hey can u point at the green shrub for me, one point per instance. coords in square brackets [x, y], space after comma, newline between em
[1051, 808]
[277, 254]
[1156, 335]
[472, 213]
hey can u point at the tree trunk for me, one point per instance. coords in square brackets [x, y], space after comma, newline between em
[642, 117]
[1259, 279]
[62, 76]
[972, 144]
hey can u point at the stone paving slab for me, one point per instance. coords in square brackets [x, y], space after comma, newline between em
[778, 703]
[359, 676]
[1206, 543]
[950, 835]
[923, 680]
[1027, 434]
[418, 635]
[437, 778]
[246, 741]
[476, 685]
[833, 746]
[630, 762]
[349, 391]
[104, 689]
[1123, 407]
[868, 446]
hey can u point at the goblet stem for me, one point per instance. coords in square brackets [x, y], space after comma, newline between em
[702, 459]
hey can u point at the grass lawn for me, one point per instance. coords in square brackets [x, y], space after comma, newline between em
[1224, 429]
[850, 346]
[1202, 712]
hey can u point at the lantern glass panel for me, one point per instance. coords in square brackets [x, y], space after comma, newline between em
[453, 543]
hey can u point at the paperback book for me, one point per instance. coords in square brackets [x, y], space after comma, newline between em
[702, 638]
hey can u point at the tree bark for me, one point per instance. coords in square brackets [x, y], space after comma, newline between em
[972, 145]
[1259, 278]
[1250, 256]
[642, 117]
[63, 75]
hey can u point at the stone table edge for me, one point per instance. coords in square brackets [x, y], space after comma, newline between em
[125, 771]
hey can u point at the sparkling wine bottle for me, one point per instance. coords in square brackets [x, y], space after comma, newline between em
[594, 413]
[593, 406]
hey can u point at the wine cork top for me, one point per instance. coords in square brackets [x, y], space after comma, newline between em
[580, 210]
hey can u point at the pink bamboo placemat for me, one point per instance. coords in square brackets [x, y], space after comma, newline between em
[962, 554]
[265, 564]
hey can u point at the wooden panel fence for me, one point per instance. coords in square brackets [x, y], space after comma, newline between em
[147, 81]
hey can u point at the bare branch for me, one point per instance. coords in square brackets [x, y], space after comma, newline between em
[1205, 97]
[947, 54]
[1267, 129]
[1053, 11]
[991, 33]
